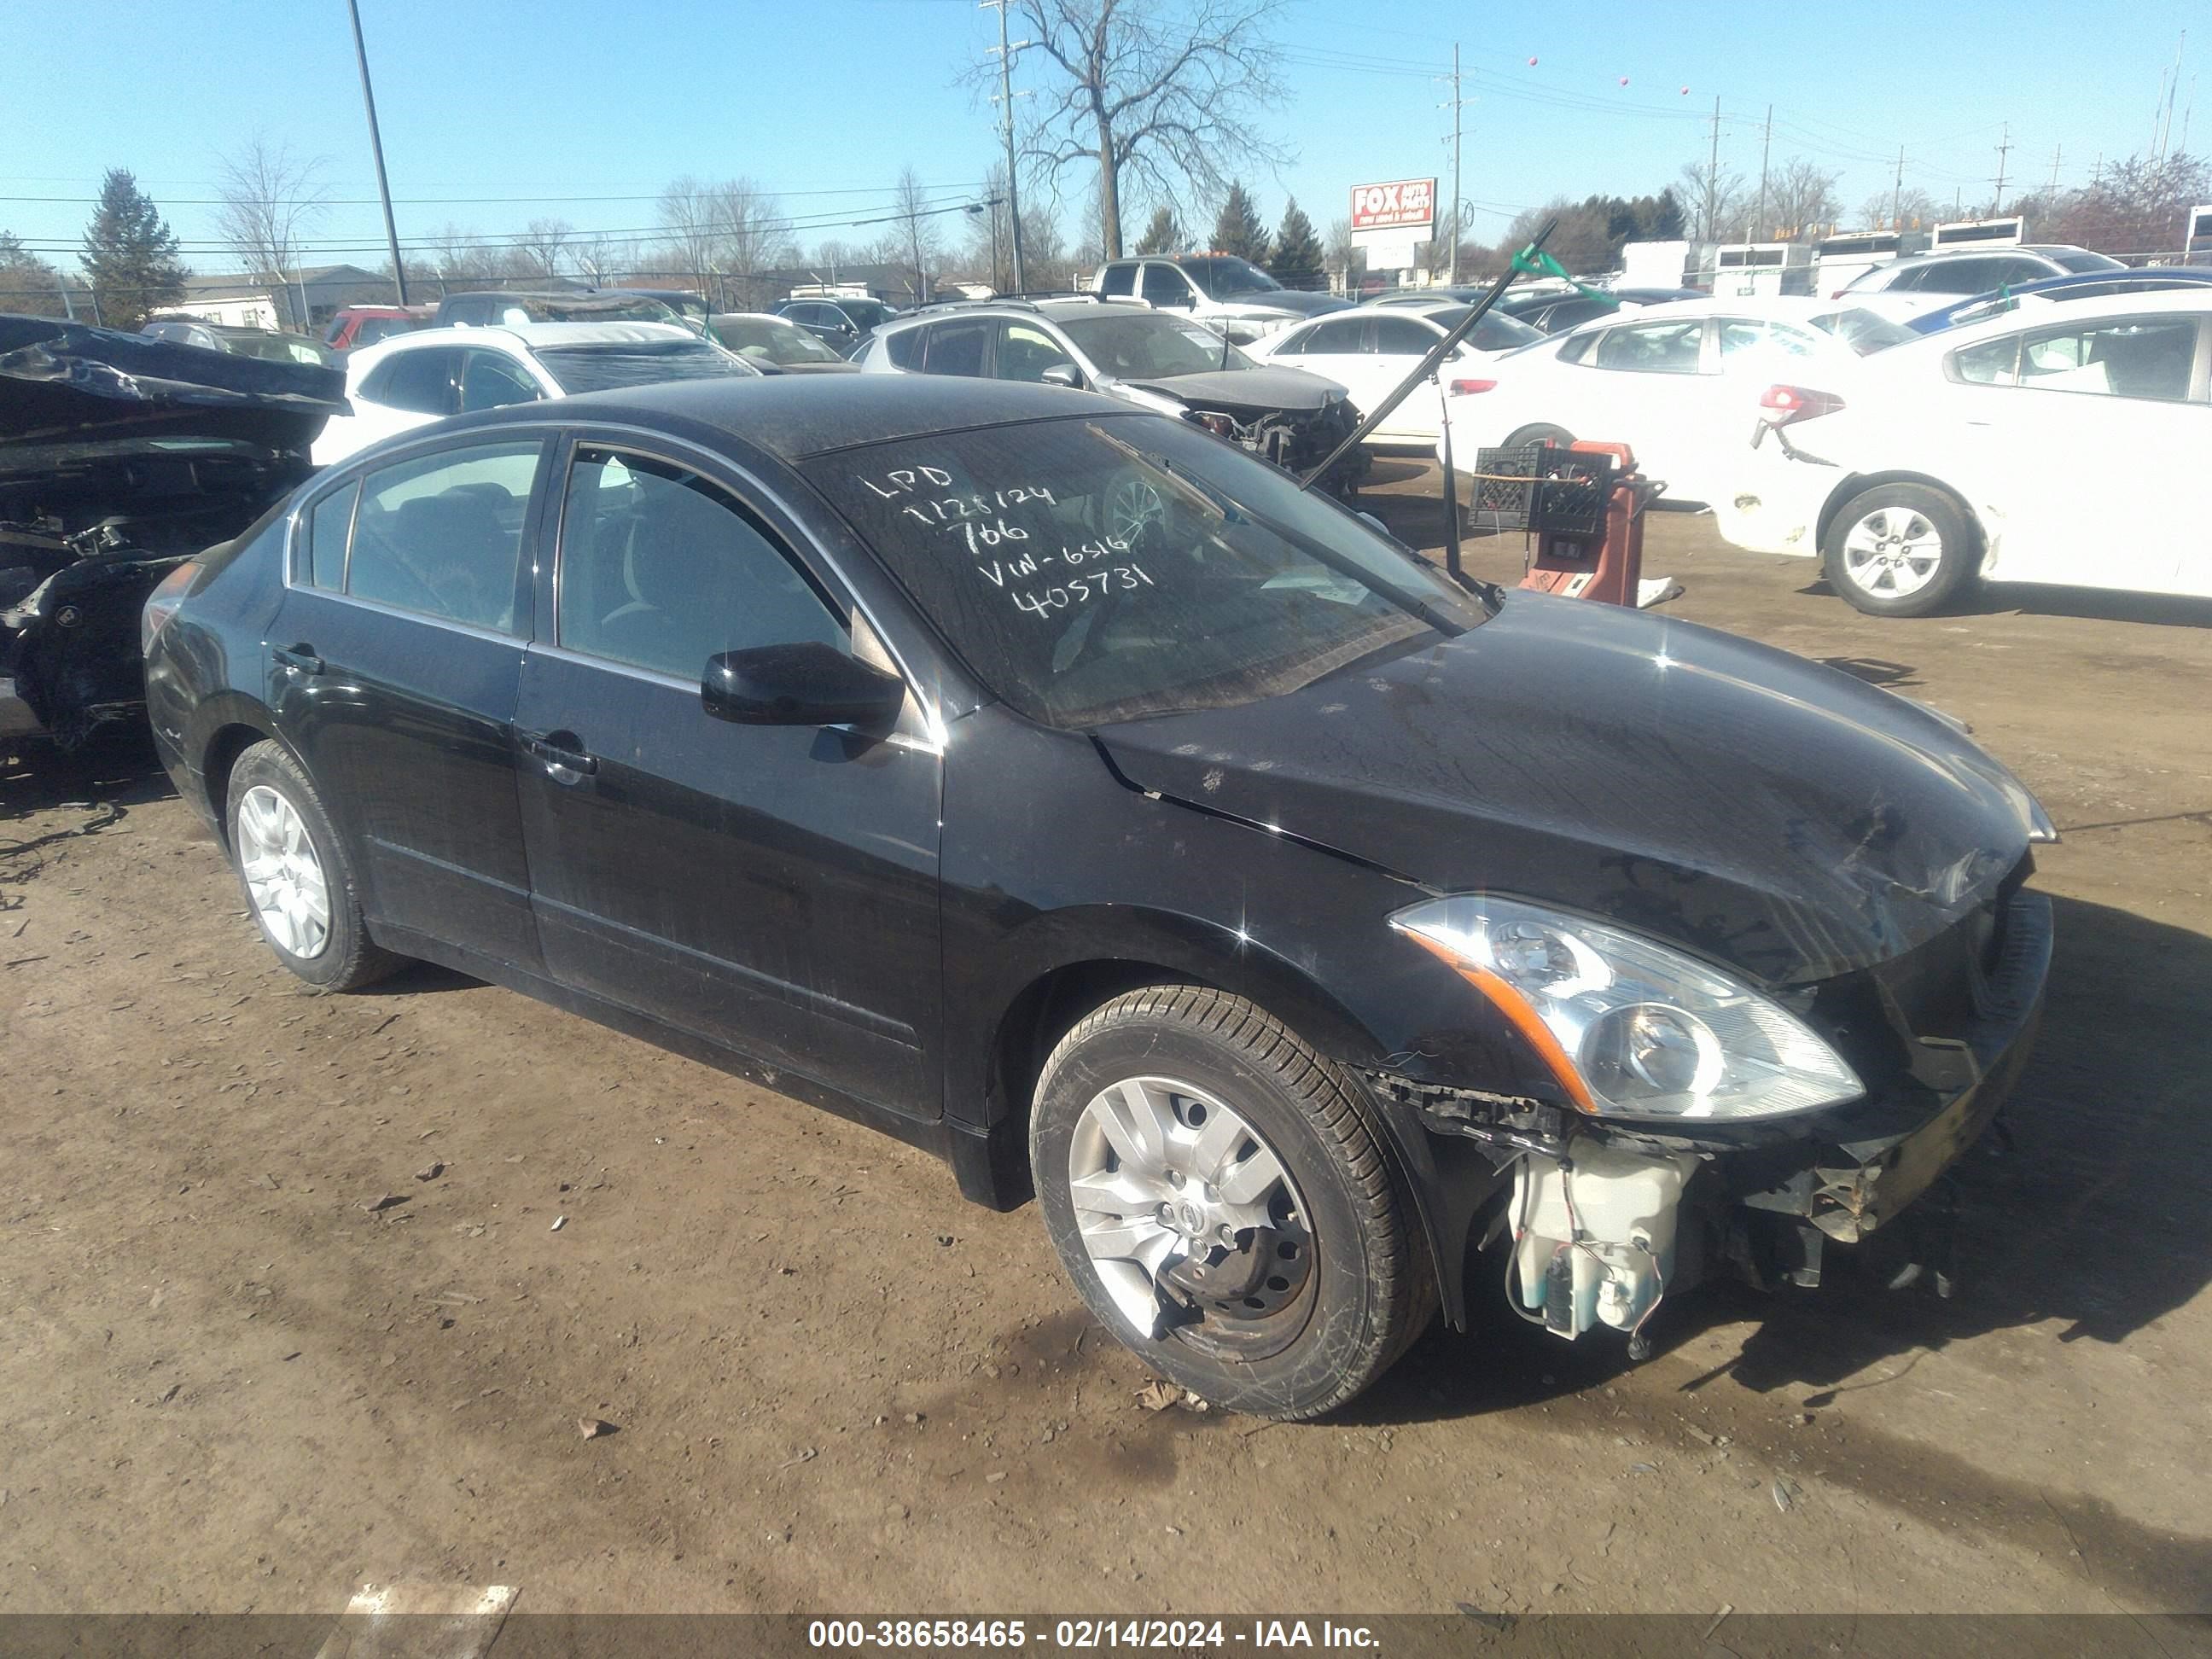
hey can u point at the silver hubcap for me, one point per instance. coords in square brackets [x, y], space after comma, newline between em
[1185, 1210]
[1892, 552]
[284, 877]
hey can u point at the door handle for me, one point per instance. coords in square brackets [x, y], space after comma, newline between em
[300, 657]
[561, 751]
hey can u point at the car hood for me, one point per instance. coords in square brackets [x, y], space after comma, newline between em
[62, 382]
[1297, 301]
[1767, 811]
[1247, 388]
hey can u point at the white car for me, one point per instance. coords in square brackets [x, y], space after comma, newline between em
[1370, 350]
[1679, 384]
[412, 379]
[2062, 445]
[1905, 287]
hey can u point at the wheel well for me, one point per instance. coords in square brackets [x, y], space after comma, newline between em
[1854, 487]
[222, 752]
[1031, 1028]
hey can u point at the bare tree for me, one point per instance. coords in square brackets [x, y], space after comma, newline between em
[1898, 209]
[687, 218]
[539, 248]
[1157, 94]
[2136, 206]
[914, 239]
[1713, 204]
[1801, 201]
[465, 259]
[595, 256]
[1346, 260]
[268, 200]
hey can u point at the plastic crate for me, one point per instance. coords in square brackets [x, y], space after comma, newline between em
[1545, 488]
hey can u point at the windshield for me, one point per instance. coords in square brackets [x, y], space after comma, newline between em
[1225, 274]
[2084, 261]
[1493, 333]
[584, 309]
[777, 342]
[1864, 332]
[1146, 346]
[636, 362]
[1096, 570]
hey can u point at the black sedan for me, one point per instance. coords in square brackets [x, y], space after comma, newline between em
[1052, 785]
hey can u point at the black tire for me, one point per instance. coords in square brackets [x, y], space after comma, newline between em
[347, 959]
[1368, 1290]
[1541, 433]
[1906, 507]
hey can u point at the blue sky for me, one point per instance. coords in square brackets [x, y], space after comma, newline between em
[825, 103]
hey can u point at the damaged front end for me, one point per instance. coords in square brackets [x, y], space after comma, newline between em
[120, 458]
[1601, 1218]
[1294, 439]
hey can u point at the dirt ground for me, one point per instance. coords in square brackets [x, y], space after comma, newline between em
[228, 1384]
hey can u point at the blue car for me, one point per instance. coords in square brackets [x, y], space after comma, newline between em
[2081, 285]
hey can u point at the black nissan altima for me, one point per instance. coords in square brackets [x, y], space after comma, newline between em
[1052, 785]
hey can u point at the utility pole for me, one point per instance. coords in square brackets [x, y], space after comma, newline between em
[2004, 149]
[376, 148]
[1766, 143]
[1897, 193]
[1457, 104]
[1005, 52]
[1713, 178]
[2055, 155]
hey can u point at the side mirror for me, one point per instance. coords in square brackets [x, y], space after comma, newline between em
[811, 685]
[1061, 374]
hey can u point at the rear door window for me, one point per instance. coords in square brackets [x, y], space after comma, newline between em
[1962, 277]
[904, 347]
[1119, 279]
[1402, 337]
[957, 348]
[1166, 286]
[1339, 336]
[2133, 358]
[1653, 347]
[330, 525]
[441, 535]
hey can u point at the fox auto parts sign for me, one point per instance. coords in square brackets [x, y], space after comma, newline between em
[1409, 203]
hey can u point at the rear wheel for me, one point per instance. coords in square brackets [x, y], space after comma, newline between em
[298, 884]
[1541, 433]
[1222, 1206]
[1899, 551]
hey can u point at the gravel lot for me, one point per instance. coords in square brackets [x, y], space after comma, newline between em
[230, 1385]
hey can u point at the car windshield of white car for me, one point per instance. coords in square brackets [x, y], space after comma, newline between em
[1100, 569]
[1146, 346]
[637, 362]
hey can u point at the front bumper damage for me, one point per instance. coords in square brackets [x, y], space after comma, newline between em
[1294, 439]
[1602, 1219]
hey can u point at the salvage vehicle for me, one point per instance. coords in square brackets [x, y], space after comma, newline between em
[1229, 295]
[776, 345]
[1369, 350]
[1948, 461]
[277, 345]
[1128, 351]
[120, 456]
[506, 306]
[1233, 881]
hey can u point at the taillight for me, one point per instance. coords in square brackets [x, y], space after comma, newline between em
[1468, 388]
[162, 603]
[1787, 404]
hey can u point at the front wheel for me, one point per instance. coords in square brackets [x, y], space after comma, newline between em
[1898, 551]
[1222, 1206]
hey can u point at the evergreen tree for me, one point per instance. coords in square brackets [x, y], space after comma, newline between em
[1296, 260]
[1238, 230]
[130, 257]
[1162, 234]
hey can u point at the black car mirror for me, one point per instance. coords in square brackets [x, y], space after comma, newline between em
[810, 685]
[1061, 374]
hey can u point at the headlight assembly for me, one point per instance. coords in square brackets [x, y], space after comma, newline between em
[1631, 1028]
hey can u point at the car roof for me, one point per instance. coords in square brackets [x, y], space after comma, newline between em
[1761, 305]
[1051, 310]
[794, 416]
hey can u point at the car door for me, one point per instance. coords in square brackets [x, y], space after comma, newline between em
[1648, 387]
[395, 656]
[773, 889]
[2039, 405]
[1338, 349]
[1400, 343]
[1162, 286]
